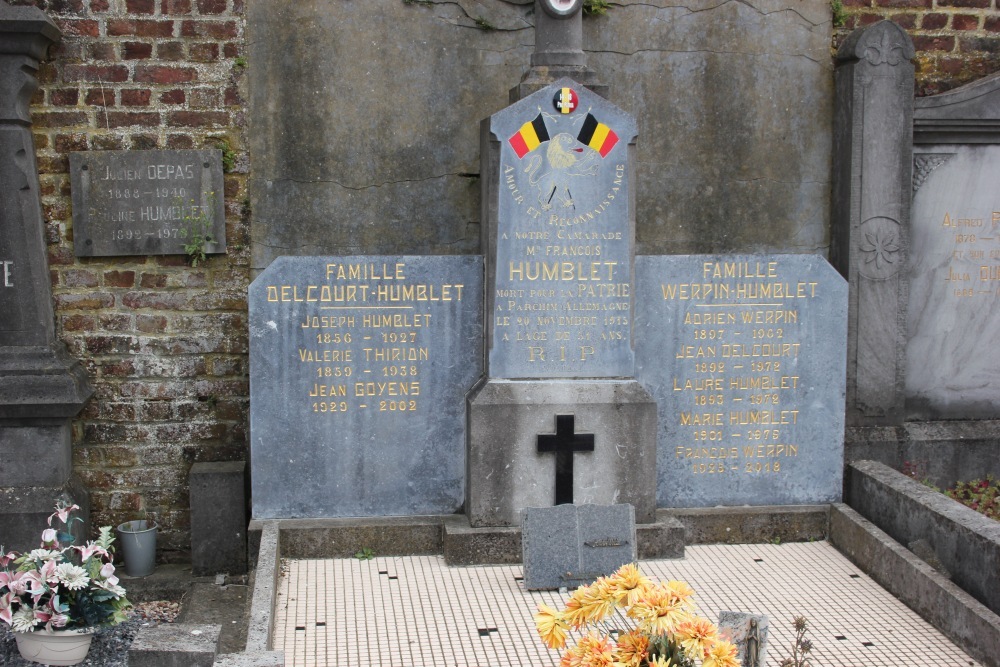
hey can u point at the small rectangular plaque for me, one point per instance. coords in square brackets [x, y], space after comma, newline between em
[146, 202]
[572, 545]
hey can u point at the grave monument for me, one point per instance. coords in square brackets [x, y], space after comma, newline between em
[41, 387]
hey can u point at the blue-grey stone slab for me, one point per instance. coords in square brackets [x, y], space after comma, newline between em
[146, 202]
[560, 293]
[745, 356]
[954, 277]
[359, 368]
[571, 545]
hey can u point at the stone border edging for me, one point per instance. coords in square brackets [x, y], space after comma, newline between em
[964, 620]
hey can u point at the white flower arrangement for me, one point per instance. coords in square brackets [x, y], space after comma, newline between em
[60, 585]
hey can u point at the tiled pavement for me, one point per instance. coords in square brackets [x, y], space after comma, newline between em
[416, 611]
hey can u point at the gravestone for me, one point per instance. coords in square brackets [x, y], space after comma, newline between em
[870, 220]
[749, 633]
[744, 355]
[559, 241]
[358, 371]
[572, 545]
[147, 202]
[41, 387]
[954, 267]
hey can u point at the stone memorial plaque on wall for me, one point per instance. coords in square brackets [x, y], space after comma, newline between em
[954, 275]
[359, 368]
[561, 295]
[147, 202]
[745, 356]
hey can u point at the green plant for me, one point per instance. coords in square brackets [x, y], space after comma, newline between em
[484, 24]
[982, 495]
[595, 7]
[239, 62]
[801, 647]
[839, 13]
[365, 553]
[228, 154]
[198, 223]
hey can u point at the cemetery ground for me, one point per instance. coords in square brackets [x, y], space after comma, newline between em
[418, 611]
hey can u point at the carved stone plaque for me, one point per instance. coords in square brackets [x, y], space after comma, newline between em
[147, 202]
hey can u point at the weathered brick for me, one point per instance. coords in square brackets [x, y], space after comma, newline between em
[132, 118]
[139, 28]
[80, 278]
[231, 50]
[211, 6]
[65, 6]
[211, 29]
[180, 141]
[102, 51]
[111, 344]
[173, 97]
[53, 164]
[70, 142]
[204, 52]
[59, 256]
[984, 44]
[95, 73]
[984, 4]
[175, 7]
[145, 142]
[965, 22]
[99, 5]
[151, 323]
[140, 6]
[116, 322]
[934, 21]
[197, 119]
[78, 27]
[41, 143]
[79, 322]
[153, 280]
[58, 118]
[136, 97]
[100, 97]
[170, 51]
[932, 43]
[992, 24]
[88, 301]
[119, 278]
[137, 50]
[906, 21]
[165, 74]
[204, 98]
[107, 142]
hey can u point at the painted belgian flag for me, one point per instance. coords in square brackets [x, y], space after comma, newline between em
[531, 135]
[597, 135]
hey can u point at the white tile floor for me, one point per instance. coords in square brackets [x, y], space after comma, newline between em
[417, 611]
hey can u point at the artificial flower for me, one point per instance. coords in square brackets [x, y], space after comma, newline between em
[721, 654]
[551, 626]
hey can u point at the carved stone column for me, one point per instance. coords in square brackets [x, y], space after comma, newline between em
[41, 387]
[873, 158]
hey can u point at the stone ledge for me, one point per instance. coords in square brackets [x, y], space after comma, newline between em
[175, 644]
[964, 620]
[963, 541]
[750, 525]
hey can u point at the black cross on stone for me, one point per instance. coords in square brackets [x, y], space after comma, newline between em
[564, 444]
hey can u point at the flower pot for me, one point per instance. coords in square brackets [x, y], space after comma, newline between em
[138, 543]
[54, 647]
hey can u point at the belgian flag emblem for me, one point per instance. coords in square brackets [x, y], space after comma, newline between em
[597, 135]
[531, 135]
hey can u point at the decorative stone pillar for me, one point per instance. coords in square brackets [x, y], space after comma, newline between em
[41, 387]
[873, 156]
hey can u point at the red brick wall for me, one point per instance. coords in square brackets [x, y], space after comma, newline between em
[957, 41]
[165, 344]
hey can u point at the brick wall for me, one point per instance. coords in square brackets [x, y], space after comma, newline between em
[165, 344]
[957, 41]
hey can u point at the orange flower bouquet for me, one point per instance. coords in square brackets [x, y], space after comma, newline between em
[628, 620]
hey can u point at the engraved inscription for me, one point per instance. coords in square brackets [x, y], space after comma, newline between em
[7, 273]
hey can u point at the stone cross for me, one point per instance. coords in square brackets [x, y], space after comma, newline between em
[564, 444]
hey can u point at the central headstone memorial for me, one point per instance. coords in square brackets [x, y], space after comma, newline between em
[559, 243]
